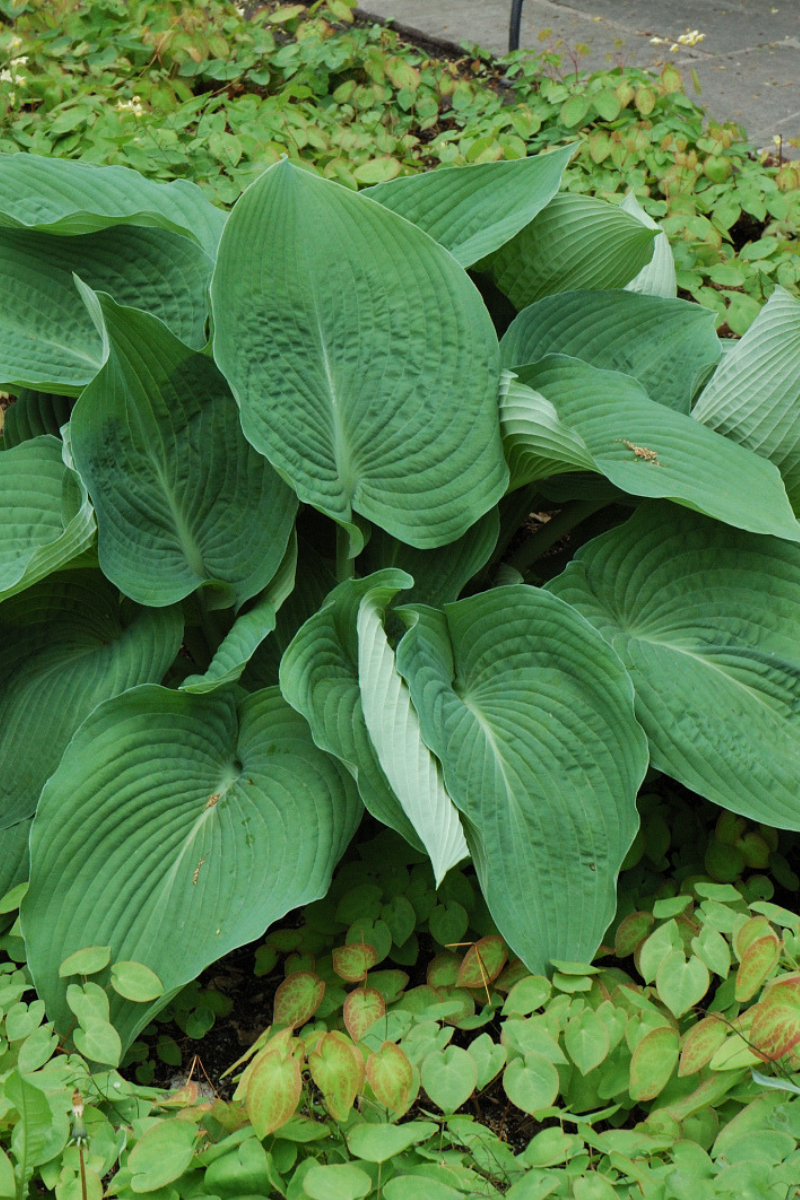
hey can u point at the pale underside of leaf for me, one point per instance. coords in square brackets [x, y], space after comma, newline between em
[754, 395]
[658, 278]
[413, 772]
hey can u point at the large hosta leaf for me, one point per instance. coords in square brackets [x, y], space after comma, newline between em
[362, 358]
[248, 630]
[476, 209]
[14, 860]
[56, 195]
[394, 729]
[754, 395]
[67, 644]
[707, 621]
[575, 242]
[531, 715]
[47, 338]
[439, 575]
[319, 677]
[175, 829]
[33, 414]
[47, 518]
[181, 497]
[641, 446]
[668, 345]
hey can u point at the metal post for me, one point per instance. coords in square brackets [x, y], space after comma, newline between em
[513, 29]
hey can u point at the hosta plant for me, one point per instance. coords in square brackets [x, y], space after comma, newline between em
[267, 484]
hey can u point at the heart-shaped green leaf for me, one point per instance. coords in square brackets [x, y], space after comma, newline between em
[707, 621]
[532, 719]
[449, 1077]
[392, 1079]
[531, 1082]
[181, 498]
[237, 818]
[343, 408]
[337, 1068]
[681, 983]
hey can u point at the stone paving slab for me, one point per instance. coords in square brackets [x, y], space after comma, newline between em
[747, 65]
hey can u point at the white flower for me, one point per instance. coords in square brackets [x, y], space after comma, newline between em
[15, 42]
[135, 106]
[23, 58]
[6, 77]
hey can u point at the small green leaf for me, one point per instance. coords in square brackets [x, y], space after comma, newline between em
[161, 1155]
[379, 1143]
[273, 1092]
[98, 1041]
[682, 983]
[297, 999]
[136, 982]
[362, 1008]
[531, 1083]
[653, 1062]
[391, 1078]
[337, 1181]
[449, 1077]
[337, 1068]
[587, 1040]
[85, 962]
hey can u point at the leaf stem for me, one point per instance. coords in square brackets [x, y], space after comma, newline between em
[570, 515]
[345, 565]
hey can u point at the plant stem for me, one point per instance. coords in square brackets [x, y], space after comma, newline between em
[345, 565]
[571, 515]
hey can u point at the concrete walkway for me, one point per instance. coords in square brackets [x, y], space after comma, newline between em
[747, 65]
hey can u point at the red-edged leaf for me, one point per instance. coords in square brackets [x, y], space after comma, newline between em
[482, 963]
[775, 1029]
[297, 999]
[351, 962]
[443, 970]
[747, 933]
[758, 959]
[273, 1092]
[362, 1009]
[701, 1043]
[653, 1062]
[392, 1078]
[337, 1069]
[630, 932]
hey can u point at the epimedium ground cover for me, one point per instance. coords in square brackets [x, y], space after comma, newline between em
[259, 585]
[200, 92]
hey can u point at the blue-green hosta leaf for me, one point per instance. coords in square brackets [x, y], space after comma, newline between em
[439, 575]
[14, 860]
[248, 631]
[668, 345]
[707, 621]
[67, 644]
[641, 446]
[753, 397]
[48, 340]
[537, 442]
[56, 195]
[658, 277]
[47, 518]
[531, 714]
[362, 358]
[181, 497]
[175, 829]
[319, 677]
[394, 729]
[474, 210]
[33, 414]
[575, 242]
